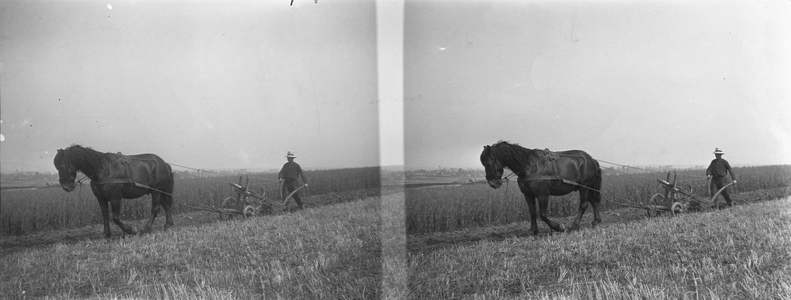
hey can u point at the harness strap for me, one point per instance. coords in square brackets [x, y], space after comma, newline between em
[552, 157]
[122, 181]
[566, 181]
[137, 184]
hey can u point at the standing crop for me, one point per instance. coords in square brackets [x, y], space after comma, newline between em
[26, 211]
[451, 208]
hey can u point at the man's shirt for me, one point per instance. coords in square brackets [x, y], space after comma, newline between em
[291, 171]
[720, 167]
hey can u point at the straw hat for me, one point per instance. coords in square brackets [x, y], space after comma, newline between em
[291, 154]
[718, 151]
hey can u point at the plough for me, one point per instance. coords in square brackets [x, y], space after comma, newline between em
[676, 200]
[246, 203]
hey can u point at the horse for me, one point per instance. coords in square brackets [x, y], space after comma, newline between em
[543, 173]
[115, 176]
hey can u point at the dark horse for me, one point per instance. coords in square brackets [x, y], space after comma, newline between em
[542, 173]
[115, 177]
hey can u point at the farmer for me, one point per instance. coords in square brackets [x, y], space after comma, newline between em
[288, 177]
[716, 172]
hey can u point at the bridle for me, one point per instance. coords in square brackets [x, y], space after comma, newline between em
[86, 176]
[509, 176]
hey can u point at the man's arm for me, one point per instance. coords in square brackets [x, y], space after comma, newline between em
[708, 170]
[302, 174]
[280, 174]
[728, 167]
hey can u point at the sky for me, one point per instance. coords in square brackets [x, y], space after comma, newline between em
[204, 84]
[630, 82]
[237, 84]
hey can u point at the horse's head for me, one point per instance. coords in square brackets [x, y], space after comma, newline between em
[493, 166]
[67, 173]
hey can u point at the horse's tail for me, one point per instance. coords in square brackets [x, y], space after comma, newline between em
[167, 188]
[596, 187]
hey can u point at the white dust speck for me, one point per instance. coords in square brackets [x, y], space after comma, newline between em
[2, 137]
[109, 6]
[441, 48]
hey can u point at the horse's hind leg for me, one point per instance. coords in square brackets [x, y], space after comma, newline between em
[594, 200]
[116, 204]
[155, 196]
[581, 211]
[167, 203]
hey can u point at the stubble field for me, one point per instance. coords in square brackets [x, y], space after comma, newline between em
[351, 250]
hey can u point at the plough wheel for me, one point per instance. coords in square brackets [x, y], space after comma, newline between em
[676, 208]
[656, 199]
[228, 203]
[248, 211]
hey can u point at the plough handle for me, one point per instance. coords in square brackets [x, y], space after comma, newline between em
[714, 198]
[292, 194]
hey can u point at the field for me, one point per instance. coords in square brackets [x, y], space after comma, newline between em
[738, 253]
[350, 250]
[27, 211]
[331, 253]
[448, 242]
[453, 208]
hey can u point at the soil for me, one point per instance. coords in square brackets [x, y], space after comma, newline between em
[13, 244]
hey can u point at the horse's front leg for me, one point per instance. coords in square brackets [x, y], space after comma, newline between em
[531, 205]
[543, 203]
[105, 216]
[116, 205]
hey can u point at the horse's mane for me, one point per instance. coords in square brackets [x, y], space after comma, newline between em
[512, 152]
[85, 159]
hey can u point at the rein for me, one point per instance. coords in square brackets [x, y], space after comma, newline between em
[120, 158]
[107, 167]
[506, 178]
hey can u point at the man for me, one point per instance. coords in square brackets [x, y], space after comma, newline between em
[716, 172]
[288, 177]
